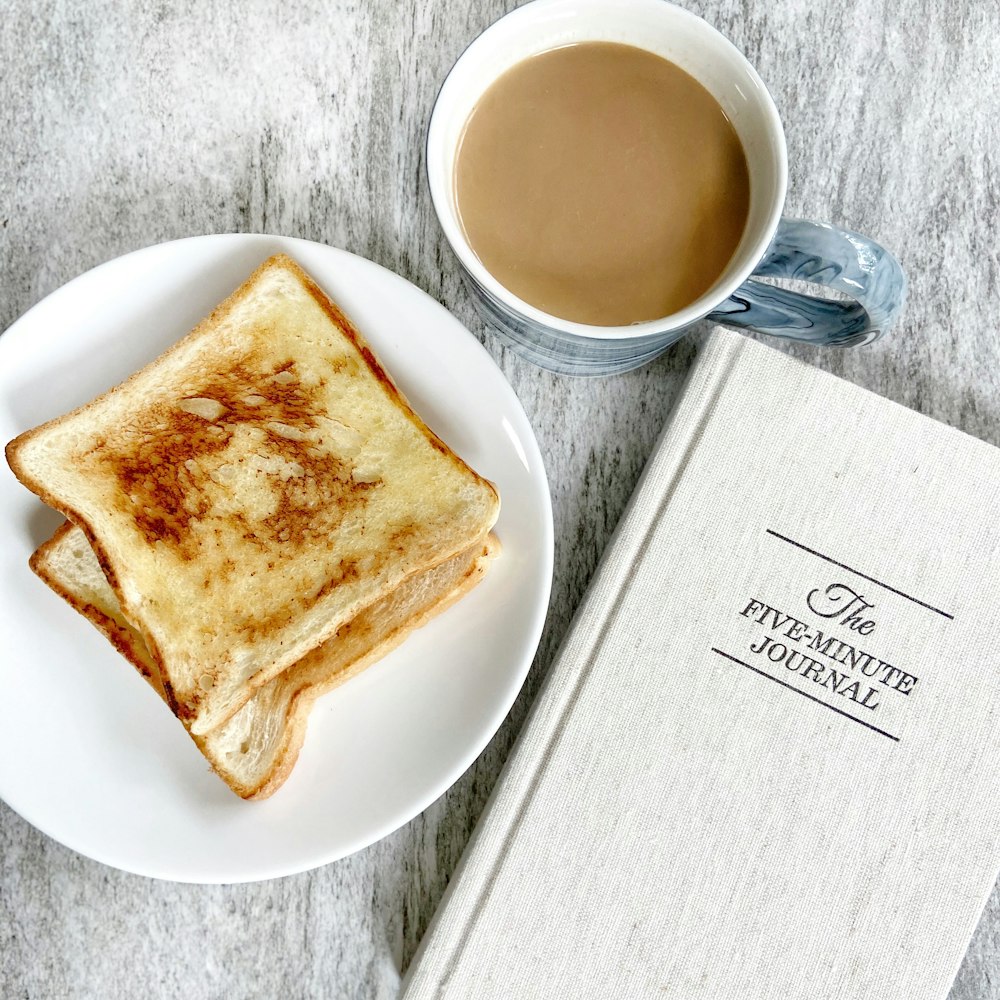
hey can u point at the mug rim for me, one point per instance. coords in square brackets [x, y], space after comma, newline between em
[438, 176]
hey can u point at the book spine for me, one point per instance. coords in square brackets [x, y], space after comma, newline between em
[443, 946]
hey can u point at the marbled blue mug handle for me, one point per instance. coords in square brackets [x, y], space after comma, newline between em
[825, 255]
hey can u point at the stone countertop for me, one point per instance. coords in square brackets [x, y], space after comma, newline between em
[123, 125]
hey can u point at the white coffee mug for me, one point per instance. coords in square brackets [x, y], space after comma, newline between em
[770, 246]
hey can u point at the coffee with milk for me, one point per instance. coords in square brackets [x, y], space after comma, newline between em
[602, 184]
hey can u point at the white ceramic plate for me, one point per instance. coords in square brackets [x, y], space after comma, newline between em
[89, 754]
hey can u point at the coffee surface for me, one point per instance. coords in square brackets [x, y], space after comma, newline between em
[602, 184]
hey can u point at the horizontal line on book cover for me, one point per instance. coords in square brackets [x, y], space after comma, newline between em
[864, 576]
[819, 701]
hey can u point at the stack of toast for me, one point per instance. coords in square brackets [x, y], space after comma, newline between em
[255, 517]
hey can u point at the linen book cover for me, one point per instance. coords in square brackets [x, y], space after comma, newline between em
[766, 762]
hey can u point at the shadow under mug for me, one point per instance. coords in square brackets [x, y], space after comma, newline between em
[771, 246]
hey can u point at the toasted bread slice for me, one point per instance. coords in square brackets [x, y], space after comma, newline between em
[255, 750]
[253, 489]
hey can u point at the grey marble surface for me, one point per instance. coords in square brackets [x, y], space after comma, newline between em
[125, 124]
